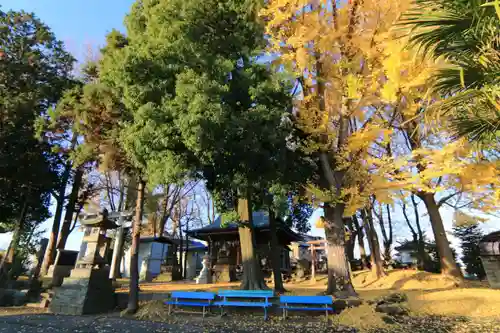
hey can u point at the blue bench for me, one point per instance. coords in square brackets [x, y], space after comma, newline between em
[306, 303]
[260, 299]
[196, 299]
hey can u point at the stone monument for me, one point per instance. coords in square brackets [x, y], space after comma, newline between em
[205, 274]
[89, 289]
[223, 271]
[489, 248]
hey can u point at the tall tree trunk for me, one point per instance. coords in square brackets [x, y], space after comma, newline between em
[339, 277]
[361, 241]
[421, 242]
[176, 264]
[351, 242]
[187, 251]
[416, 240]
[448, 265]
[50, 253]
[275, 254]
[387, 238]
[391, 235]
[133, 297]
[181, 249]
[70, 209]
[253, 278]
[376, 259]
[11, 254]
[51, 247]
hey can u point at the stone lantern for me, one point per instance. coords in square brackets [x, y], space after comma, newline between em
[89, 289]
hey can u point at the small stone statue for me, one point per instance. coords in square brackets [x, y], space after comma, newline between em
[205, 274]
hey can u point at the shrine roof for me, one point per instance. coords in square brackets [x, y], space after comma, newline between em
[99, 221]
[260, 223]
[194, 245]
[152, 239]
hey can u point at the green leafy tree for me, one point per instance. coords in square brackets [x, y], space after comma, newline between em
[200, 105]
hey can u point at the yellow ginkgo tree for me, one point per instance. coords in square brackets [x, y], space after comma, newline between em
[436, 168]
[337, 52]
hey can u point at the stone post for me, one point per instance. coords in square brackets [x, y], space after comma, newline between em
[115, 261]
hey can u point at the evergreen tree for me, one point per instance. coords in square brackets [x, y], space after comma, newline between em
[198, 102]
[470, 234]
[34, 71]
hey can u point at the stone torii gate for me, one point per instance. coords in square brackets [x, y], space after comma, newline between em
[313, 247]
[320, 245]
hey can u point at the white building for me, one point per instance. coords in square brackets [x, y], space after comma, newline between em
[153, 253]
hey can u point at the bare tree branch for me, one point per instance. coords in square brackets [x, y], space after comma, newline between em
[445, 199]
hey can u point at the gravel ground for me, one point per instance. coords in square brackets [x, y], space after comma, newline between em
[47, 323]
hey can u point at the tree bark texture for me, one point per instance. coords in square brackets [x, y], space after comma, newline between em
[339, 277]
[253, 278]
[275, 254]
[133, 297]
[448, 265]
[70, 210]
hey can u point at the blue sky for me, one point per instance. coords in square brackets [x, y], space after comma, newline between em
[77, 23]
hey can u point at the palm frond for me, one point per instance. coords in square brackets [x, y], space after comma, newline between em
[472, 113]
[477, 128]
[467, 35]
[450, 28]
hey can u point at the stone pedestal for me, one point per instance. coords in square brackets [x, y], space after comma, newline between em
[205, 275]
[223, 273]
[87, 291]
